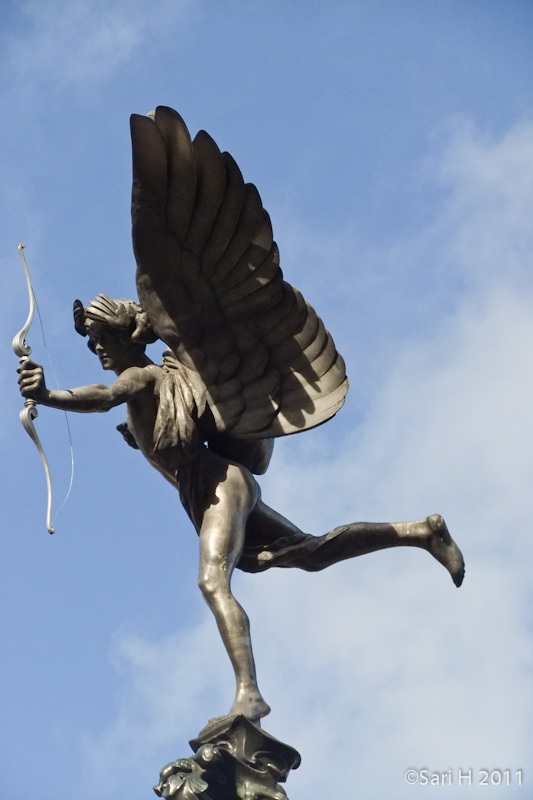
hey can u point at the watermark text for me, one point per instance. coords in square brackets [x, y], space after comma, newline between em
[464, 776]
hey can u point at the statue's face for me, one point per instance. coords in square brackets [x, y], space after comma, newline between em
[113, 349]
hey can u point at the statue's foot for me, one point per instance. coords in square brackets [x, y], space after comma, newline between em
[251, 705]
[442, 547]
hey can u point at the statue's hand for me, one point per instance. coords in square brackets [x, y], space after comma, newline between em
[129, 438]
[31, 381]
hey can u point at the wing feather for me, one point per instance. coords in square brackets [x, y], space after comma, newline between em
[181, 171]
[219, 344]
[294, 419]
[149, 191]
[263, 387]
[229, 389]
[229, 366]
[289, 350]
[254, 363]
[315, 347]
[255, 277]
[309, 329]
[294, 383]
[261, 251]
[227, 217]
[261, 298]
[283, 320]
[247, 227]
[227, 413]
[210, 191]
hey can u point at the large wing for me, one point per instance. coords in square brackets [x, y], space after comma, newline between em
[208, 276]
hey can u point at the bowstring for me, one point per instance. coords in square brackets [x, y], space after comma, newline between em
[64, 412]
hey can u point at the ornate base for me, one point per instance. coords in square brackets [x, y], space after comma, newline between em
[234, 760]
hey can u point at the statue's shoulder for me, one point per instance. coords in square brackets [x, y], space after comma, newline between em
[138, 378]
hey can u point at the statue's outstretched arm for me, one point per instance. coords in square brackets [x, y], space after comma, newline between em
[85, 399]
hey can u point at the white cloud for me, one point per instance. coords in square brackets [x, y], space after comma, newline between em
[486, 230]
[78, 44]
[166, 686]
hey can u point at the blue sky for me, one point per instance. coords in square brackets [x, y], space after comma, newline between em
[392, 144]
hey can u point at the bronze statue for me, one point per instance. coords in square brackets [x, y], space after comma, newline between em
[249, 360]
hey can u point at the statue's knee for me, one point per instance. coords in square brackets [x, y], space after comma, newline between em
[212, 584]
[207, 587]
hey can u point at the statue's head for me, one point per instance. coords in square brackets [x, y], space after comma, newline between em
[115, 328]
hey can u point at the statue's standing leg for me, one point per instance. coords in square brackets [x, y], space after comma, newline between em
[222, 533]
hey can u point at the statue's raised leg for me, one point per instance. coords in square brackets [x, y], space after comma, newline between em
[274, 541]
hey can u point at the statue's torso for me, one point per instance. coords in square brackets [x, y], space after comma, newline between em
[142, 411]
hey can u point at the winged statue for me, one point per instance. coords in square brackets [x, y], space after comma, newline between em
[248, 360]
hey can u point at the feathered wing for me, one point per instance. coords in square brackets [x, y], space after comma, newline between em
[208, 276]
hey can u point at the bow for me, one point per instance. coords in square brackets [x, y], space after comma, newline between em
[29, 412]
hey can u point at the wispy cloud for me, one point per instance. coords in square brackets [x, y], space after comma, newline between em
[485, 229]
[76, 45]
[163, 701]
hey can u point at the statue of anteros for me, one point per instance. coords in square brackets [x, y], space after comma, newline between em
[248, 360]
